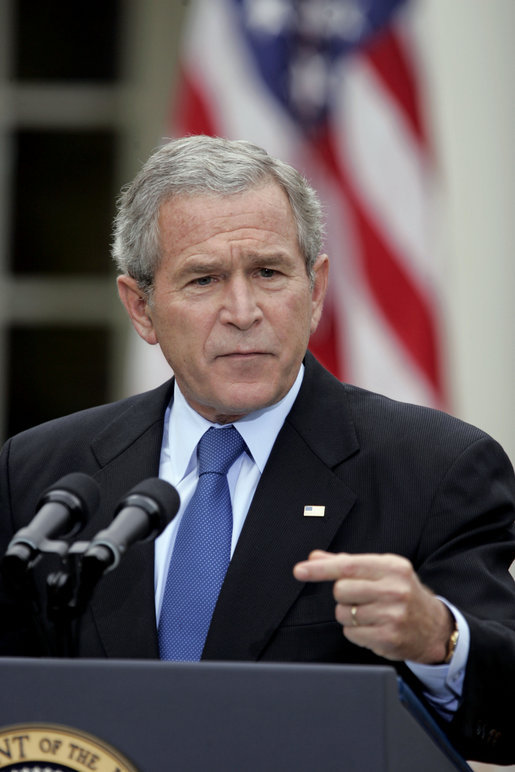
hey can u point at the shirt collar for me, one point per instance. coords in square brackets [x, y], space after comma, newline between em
[184, 427]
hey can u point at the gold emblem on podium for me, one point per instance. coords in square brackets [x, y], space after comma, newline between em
[41, 747]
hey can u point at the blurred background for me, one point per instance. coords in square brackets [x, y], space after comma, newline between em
[400, 112]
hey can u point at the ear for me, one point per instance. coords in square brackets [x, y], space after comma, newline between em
[136, 303]
[321, 273]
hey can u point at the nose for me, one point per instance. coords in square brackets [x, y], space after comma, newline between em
[240, 305]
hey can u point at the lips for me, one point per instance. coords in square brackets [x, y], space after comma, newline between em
[244, 354]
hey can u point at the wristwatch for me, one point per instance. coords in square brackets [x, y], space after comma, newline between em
[452, 643]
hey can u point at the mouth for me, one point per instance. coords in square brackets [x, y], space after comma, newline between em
[243, 356]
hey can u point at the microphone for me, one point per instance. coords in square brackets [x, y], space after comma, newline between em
[61, 510]
[140, 516]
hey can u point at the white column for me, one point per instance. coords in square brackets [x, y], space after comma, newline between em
[471, 56]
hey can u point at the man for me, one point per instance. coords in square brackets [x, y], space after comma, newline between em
[407, 558]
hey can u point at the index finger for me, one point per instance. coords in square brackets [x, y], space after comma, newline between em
[326, 566]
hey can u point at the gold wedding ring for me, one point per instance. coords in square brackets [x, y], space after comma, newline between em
[354, 615]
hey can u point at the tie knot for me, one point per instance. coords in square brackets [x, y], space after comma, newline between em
[218, 449]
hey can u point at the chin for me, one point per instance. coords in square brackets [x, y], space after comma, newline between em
[244, 402]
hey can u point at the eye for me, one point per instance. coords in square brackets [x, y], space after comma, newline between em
[267, 273]
[203, 281]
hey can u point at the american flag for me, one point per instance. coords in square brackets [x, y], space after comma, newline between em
[332, 86]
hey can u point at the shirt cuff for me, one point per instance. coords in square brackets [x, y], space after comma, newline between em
[444, 683]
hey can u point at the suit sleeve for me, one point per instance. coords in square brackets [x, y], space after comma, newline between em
[19, 635]
[474, 510]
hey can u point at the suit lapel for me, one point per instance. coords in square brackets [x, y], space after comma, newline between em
[128, 451]
[259, 587]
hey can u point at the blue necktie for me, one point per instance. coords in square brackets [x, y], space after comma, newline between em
[202, 550]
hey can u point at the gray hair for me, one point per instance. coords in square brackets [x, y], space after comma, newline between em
[200, 165]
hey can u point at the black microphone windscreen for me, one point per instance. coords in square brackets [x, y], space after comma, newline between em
[161, 493]
[62, 510]
[81, 485]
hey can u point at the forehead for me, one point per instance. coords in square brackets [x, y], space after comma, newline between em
[262, 214]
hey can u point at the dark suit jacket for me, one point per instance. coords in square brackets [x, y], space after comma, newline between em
[392, 477]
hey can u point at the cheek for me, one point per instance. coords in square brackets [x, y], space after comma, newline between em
[183, 332]
[293, 318]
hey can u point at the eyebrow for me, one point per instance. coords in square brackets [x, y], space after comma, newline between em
[273, 258]
[205, 266]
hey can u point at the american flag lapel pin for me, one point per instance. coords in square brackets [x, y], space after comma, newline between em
[311, 511]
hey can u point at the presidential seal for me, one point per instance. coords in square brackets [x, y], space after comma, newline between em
[55, 748]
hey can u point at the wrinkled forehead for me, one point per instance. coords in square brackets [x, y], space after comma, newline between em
[262, 213]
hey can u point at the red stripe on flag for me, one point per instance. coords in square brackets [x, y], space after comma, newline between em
[191, 113]
[400, 300]
[326, 342]
[387, 55]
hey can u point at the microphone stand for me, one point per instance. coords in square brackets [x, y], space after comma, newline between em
[68, 589]
[141, 515]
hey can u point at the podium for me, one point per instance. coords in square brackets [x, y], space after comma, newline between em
[246, 717]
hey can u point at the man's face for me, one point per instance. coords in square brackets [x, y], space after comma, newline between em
[232, 307]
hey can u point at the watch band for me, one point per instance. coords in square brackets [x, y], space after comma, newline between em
[452, 643]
